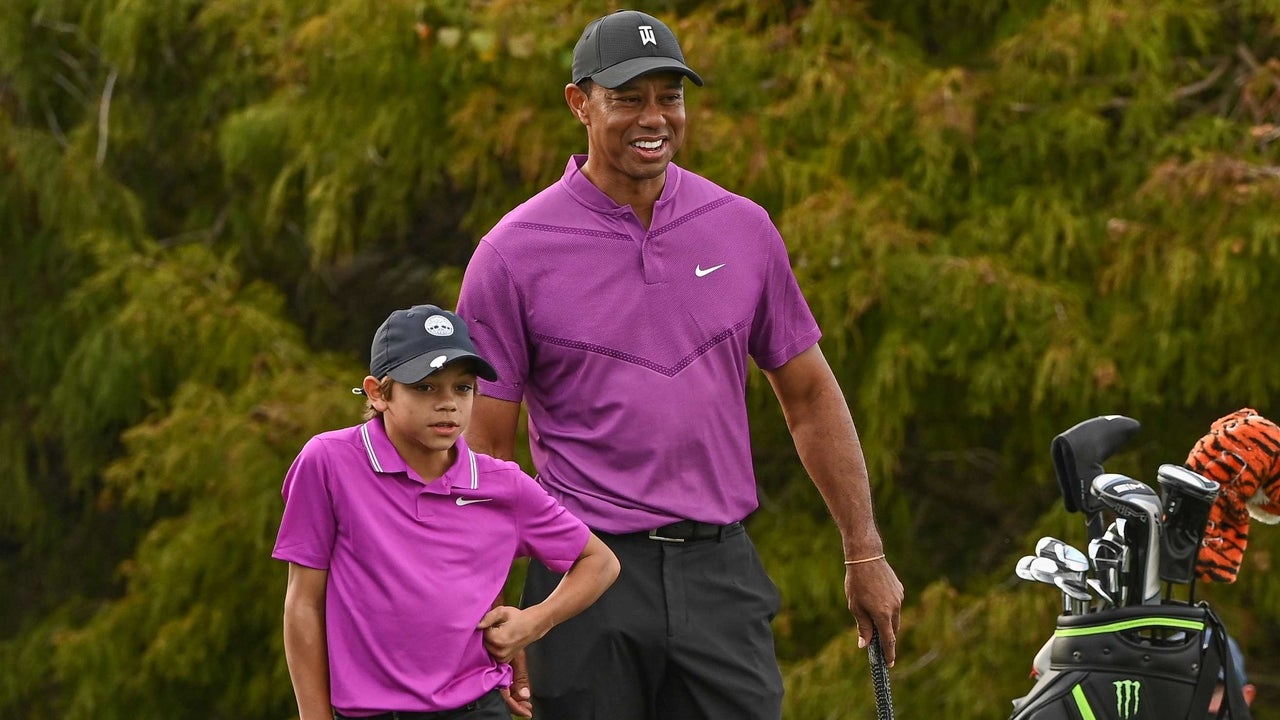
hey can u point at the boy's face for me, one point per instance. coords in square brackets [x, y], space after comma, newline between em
[424, 419]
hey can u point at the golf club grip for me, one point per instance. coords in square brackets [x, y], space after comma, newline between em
[880, 677]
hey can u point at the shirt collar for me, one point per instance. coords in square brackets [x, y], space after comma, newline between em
[384, 459]
[588, 194]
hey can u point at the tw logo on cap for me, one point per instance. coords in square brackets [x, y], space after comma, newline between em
[646, 36]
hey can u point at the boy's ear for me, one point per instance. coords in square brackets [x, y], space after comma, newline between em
[373, 391]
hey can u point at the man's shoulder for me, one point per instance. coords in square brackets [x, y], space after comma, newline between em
[700, 191]
[691, 181]
[498, 469]
[504, 477]
[549, 206]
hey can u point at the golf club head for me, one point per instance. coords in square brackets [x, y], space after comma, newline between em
[1075, 593]
[1045, 542]
[1072, 559]
[1115, 531]
[1105, 599]
[1107, 558]
[1023, 568]
[1187, 498]
[1077, 455]
[1044, 570]
[1129, 499]
[1067, 557]
[1140, 507]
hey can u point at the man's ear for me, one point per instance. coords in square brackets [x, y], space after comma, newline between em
[577, 100]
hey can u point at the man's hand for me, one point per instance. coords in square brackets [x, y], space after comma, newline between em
[519, 697]
[875, 600]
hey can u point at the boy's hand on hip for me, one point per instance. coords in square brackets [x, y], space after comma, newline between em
[506, 631]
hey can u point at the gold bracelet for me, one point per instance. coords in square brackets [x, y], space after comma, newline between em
[864, 560]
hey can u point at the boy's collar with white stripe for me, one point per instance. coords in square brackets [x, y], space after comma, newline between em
[376, 440]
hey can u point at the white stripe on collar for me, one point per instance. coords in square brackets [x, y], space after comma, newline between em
[368, 446]
[377, 466]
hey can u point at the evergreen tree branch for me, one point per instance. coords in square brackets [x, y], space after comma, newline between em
[104, 118]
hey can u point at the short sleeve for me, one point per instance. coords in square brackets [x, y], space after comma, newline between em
[548, 532]
[489, 302]
[783, 326]
[308, 527]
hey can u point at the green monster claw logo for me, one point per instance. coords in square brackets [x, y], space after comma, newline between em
[1128, 698]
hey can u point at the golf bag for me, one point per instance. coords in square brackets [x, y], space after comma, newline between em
[1138, 662]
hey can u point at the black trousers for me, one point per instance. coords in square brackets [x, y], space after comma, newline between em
[683, 634]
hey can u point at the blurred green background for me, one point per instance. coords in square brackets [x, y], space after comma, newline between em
[1009, 216]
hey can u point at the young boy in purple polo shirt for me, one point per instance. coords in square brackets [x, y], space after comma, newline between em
[399, 539]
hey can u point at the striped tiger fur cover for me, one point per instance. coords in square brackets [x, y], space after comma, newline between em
[1241, 452]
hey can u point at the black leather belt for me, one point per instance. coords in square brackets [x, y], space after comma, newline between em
[693, 531]
[441, 715]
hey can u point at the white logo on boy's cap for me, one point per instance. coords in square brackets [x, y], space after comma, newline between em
[408, 347]
[439, 326]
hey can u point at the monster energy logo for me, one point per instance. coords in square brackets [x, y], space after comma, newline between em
[1128, 698]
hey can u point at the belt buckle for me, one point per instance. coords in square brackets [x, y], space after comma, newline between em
[653, 535]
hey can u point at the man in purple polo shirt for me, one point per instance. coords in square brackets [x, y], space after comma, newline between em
[399, 539]
[622, 305]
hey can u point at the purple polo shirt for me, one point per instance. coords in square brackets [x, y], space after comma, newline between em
[413, 566]
[630, 347]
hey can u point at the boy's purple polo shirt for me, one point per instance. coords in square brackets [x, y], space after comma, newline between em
[630, 347]
[413, 566]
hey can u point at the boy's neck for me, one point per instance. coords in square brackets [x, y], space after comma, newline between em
[430, 465]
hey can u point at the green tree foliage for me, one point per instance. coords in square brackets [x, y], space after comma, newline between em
[1008, 216]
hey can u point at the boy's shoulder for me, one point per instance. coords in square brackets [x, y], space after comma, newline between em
[344, 446]
[339, 438]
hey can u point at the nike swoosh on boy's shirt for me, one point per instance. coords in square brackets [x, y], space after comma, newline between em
[697, 270]
[467, 501]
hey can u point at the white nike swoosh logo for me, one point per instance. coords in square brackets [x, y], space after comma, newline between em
[467, 501]
[703, 273]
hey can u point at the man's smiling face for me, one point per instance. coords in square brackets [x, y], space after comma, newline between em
[635, 129]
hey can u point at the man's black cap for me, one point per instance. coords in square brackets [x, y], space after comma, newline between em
[618, 47]
[411, 344]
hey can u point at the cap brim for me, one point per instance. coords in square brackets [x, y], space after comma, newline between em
[429, 362]
[627, 70]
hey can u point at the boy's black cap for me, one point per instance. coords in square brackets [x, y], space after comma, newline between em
[411, 344]
[618, 47]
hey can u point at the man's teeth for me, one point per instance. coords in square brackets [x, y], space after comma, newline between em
[648, 144]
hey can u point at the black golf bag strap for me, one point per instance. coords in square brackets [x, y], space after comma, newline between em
[1233, 705]
[1209, 667]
